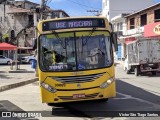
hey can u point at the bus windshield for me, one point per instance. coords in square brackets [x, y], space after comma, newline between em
[75, 51]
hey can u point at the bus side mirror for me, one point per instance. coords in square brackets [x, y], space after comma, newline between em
[34, 45]
[114, 39]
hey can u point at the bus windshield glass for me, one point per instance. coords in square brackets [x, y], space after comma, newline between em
[75, 51]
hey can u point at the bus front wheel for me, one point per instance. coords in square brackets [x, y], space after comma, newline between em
[103, 100]
[56, 104]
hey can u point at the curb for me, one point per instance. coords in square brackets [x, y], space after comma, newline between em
[15, 85]
[11, 71]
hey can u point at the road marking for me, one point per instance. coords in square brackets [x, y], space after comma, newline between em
[157, 106]
[125, 96]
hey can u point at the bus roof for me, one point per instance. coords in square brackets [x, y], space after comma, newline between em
[65, 18]
[48, 25]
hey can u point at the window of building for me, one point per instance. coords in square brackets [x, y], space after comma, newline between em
[55, 15]
[30, 19]
[157, 15]
[38, 17]
[143, 19]
[19, 6]
[115, 27]
[119, 26]
[132, 23]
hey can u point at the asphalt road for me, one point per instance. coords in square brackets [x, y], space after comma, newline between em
[140, 93]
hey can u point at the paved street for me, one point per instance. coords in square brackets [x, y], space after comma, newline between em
[140, 93]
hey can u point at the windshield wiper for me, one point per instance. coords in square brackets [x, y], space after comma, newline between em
[57, 36]
[90, 34]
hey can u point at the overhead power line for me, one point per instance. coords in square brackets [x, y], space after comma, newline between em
[88, 6]
[95, 12]
[83, 5]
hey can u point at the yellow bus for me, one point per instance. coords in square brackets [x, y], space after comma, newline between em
[75, 59]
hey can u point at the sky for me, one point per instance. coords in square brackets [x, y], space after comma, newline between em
[76, 7]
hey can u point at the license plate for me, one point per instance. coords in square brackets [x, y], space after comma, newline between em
[76, 96]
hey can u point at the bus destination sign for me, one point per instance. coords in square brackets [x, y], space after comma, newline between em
[73, 23]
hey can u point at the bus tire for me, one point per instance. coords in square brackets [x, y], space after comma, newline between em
[49, 104]
[54, 104]
[103, 100]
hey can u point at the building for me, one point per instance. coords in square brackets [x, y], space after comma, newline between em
[138, 22]
[15, 17]
[142, 24]
[58, 14]
[120, 27]
[112, 8]
[18, 20]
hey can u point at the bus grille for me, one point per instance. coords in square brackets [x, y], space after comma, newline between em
[89, 96]
[78, 79]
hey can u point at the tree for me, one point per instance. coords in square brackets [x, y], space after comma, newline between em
[6, 38]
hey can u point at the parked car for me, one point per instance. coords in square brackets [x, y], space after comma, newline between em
[27, 59]
[5, 60]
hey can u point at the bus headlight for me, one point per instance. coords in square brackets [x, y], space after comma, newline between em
[106, 83]
[48, 87]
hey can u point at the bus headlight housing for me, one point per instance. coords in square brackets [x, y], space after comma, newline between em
[106, 83]
[48, 87]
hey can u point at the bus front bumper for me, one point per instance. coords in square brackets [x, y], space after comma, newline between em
[70, 95]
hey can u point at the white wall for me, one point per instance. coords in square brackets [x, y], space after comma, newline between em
[119, 19]
[115, 20]
[105, 8]
[116, 7]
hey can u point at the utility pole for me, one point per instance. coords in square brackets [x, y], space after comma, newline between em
[42, 8]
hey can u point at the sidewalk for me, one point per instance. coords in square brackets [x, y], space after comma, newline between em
[11, 79]
[119, 63]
